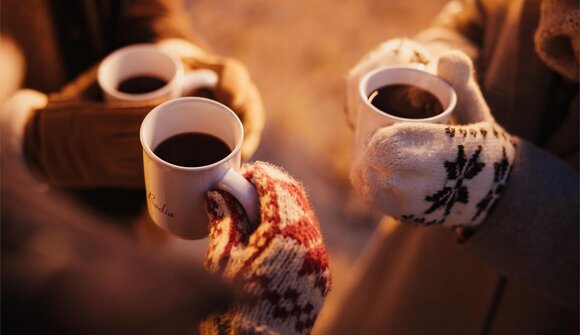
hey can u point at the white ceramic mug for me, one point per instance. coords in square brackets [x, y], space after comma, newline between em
[175, 194]
[149, 60]
[370, 118]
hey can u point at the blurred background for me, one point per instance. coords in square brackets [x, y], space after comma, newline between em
[298, 53]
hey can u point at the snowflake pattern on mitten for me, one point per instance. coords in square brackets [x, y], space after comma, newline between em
[465, 168]
[282, 265]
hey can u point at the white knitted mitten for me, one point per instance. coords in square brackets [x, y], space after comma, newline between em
[439, 174]
[282, 265]
[394, 52]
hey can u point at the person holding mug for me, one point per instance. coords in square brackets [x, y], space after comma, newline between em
[60, 259]
[68, 100]
[502, 175]
[263, 233]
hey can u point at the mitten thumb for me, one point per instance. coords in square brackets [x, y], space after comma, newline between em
[228, 227]
[457, 68]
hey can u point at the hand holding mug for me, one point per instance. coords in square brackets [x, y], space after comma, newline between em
[429, 173]
[127, 75]
[105, 151]
[282, 265]
[77, 140]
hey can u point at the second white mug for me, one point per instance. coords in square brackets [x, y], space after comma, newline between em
[165, 73]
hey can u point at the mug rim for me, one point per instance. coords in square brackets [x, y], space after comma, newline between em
[105, 84]
[186, 100]
[363, 96]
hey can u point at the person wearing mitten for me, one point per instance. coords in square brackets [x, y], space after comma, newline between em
[105, 151]
[66, 271]
[281, 264]
[450, 175]
[514, 208]
[65, 268]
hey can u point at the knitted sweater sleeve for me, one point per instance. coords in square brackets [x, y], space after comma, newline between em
[532, 234]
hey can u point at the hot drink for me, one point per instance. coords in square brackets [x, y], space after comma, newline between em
[141, 84]
[406, 101]
[192, 149]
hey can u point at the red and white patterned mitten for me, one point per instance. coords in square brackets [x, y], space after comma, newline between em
[450, 175]
[282, 265]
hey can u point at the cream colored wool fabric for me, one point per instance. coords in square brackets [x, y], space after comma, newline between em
[439, 174]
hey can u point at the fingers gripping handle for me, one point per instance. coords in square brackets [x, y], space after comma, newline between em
[196, 79]
[245, 192]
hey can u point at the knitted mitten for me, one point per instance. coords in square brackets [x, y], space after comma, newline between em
[394, 52]
[439, 174]
[282, 265]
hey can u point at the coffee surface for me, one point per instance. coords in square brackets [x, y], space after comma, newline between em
[406, 101]
[192, 149]
[141, 84]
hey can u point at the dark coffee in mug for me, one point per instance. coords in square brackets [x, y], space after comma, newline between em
[141, 84]
[406, 101]
[192, 149]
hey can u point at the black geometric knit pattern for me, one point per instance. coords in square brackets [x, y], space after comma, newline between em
[454, 191]
[457, 172]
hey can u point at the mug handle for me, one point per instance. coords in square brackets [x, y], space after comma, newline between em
[198, 79]
[233, 183]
